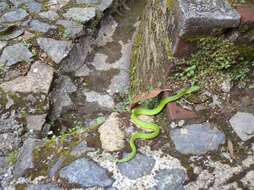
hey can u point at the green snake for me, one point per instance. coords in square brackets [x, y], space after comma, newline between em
[153, 128]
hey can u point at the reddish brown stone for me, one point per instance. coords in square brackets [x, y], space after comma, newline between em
[247, 14]
[182, 48]
[175, 112]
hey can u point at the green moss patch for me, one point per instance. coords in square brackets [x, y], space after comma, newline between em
[215, 59]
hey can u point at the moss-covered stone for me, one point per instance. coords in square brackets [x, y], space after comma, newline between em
[46, 155]
[152, 52]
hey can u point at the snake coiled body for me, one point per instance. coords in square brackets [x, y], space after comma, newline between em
[154, 130]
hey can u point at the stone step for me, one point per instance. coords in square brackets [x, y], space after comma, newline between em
[204, 18]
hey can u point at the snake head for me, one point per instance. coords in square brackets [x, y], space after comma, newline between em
[192, 89]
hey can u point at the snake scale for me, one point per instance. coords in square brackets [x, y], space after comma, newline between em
[154, 130]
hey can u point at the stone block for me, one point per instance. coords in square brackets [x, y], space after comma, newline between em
[203, 17]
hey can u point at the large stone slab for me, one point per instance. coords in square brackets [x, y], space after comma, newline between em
[15, 54]
[14, 16]
[197, 139]
[81, 15]
[38, 26]
[203, 17]
[38, 80]
[243, 125]
[56, 49]
[86, 173]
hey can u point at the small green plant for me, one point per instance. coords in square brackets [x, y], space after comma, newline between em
[66, 34]
[214, 59]
[2, 69]
[12, 158]
[23, 112]
[100, 120]
[189, 72]
[27, 44]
